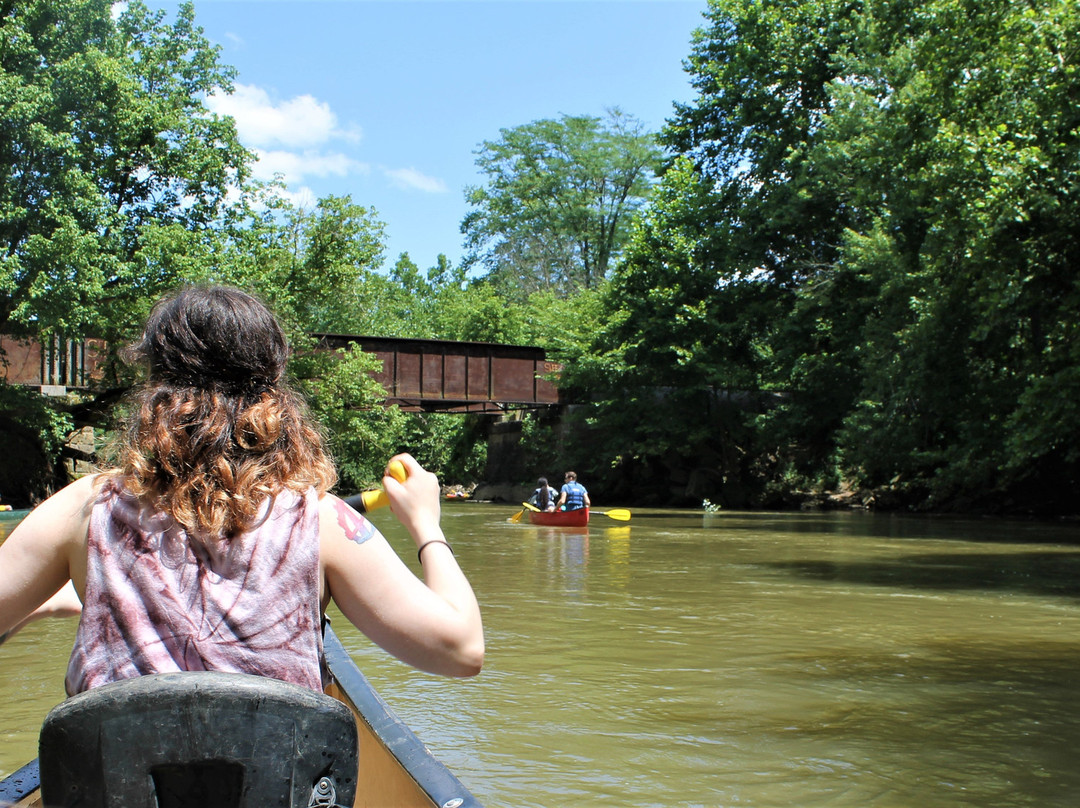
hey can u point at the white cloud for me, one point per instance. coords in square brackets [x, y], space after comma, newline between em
[291, 138]
[300, 122]
[412, 179]
[303, 198]
[295, 166]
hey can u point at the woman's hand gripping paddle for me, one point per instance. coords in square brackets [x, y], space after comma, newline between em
[370, 500]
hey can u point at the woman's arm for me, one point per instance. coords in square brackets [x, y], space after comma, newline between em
[44, 552]
[432, 624]
[65, 603]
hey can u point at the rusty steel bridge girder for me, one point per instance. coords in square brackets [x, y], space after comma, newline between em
[430, 375]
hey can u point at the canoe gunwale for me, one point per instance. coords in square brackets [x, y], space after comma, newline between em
[431, 774]
[20, 784]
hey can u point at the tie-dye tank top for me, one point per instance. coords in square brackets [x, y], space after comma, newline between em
[156, 602]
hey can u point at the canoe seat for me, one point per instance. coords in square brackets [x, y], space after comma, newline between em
[198, 740]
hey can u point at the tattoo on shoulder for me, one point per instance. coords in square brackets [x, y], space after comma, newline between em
[356, 527]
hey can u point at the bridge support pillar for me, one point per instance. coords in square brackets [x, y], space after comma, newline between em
[504, 452]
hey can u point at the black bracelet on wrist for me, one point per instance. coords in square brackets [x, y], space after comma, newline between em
[420, 549]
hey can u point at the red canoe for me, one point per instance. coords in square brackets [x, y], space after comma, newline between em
[578, 518]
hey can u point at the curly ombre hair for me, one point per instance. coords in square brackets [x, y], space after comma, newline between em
[216, 431]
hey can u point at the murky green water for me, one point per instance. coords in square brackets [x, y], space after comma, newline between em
[735, 659]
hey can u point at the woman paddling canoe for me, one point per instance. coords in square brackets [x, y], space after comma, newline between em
[215, 545]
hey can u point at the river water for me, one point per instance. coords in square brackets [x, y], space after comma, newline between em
[730, 659]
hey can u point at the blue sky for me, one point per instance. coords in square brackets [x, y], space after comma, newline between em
[387, 101]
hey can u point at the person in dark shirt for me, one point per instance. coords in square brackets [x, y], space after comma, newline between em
[544, 496]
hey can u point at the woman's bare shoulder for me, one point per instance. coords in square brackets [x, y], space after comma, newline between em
[74, 501]
[88, 487]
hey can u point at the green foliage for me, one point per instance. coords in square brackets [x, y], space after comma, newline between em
[49, 424]
[972, 261]
[565, 326]
[114, 192]
[318, 268]
[557, 200]
[107, 149]
[542, 448]
[35, 429]
[343, 396]
[682, 313]
[340, 245]
[443, 304]
[453, 446]
[113, 175]
[873, 214]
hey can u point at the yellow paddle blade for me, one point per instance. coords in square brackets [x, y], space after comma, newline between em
[517, 516]
[619, 514]
[531, 507]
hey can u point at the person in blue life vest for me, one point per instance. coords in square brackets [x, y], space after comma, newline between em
[543, 497]
[573, 495]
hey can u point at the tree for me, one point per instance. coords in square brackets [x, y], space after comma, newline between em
[558, 196]
[316, 266]
[118, 184]
[871, 217]
[442, 303]
[762, 73]
[964, 165]
[732, 231]
[110, 160]
[113, 179]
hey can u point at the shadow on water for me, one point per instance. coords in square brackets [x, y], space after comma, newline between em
[973, 555]
[881, 525]
[1053, 574]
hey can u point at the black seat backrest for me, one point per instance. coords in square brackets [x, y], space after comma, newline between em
[198, 740]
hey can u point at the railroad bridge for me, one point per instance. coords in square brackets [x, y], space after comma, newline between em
[419, 375]
[431, 375]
